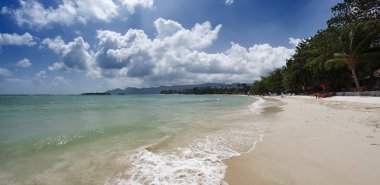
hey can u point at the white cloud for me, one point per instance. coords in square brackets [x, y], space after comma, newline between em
[59, 81]
[135, 55]
[172, 34]
[33, 13]
[132, 4]
[175, 56]
[229, 2]
[5, 72]
[39, 78]
[67, 12]
[14, 80]
[102, 10]
[166, 28]
[294, 42]
[75, 55]
[4, 10]
[40, 75]
[24, 63]
[16, 39]
[57, 66]
[56, 44]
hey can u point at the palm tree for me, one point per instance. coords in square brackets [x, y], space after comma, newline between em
[359, 43]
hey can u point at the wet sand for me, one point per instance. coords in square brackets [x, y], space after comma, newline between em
[315, 141]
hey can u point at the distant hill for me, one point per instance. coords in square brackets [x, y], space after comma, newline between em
[157, 90]
[96, 93]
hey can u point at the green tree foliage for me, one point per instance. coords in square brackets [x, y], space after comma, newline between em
[351, 12]
[258, 87]
[297, 73]
[352, 40]
[358, 45]
[239, 88]
[274, 81]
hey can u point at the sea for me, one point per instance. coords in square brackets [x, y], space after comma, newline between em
[126, 139]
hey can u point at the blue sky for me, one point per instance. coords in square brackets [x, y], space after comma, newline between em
[68, 46]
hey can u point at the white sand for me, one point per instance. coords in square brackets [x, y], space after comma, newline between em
[351, 99]
[315, 141]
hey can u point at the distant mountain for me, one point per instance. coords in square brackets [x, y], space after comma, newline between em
[157, 90]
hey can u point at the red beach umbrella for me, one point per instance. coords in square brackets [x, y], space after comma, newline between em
[324, 86]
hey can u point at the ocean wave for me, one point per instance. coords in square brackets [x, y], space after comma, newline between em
[67, 139]
[92, 135]
[199, 101]
[257, 106]
[199, 163]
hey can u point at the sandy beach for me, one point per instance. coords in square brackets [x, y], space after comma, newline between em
[315, 141]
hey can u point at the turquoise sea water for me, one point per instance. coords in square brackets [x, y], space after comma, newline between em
[139, 139]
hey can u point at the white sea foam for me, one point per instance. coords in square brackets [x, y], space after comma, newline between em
[199, 163]
[257, 106]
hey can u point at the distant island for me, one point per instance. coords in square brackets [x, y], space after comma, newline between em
[206, 88]
[227, 89]
[96, 93]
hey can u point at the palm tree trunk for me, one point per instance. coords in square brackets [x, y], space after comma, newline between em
[355, 79]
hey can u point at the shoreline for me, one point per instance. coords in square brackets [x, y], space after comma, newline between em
[314, 141]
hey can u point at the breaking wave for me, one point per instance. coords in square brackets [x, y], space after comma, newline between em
[199, 163]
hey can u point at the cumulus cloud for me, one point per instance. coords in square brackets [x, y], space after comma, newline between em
[67, 12]
[75, 55]
[116, 51]
[172, 34]
[16, 39]
[4, 10]
[176, 56]
[5, 72]
[39, 78]
[59, 81]
[132, 4]
[294, 42]
[229, 2]
[135, 55]
[33, 13]
[40, 75]
[24, 63]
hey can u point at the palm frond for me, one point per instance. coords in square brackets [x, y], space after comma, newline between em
[371, 35]
[340, 55]
[351, 38]
[335, 63]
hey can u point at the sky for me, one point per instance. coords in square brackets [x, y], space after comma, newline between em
[76, 46]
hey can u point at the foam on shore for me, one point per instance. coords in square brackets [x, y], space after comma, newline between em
[199, 163]
[258, 106]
